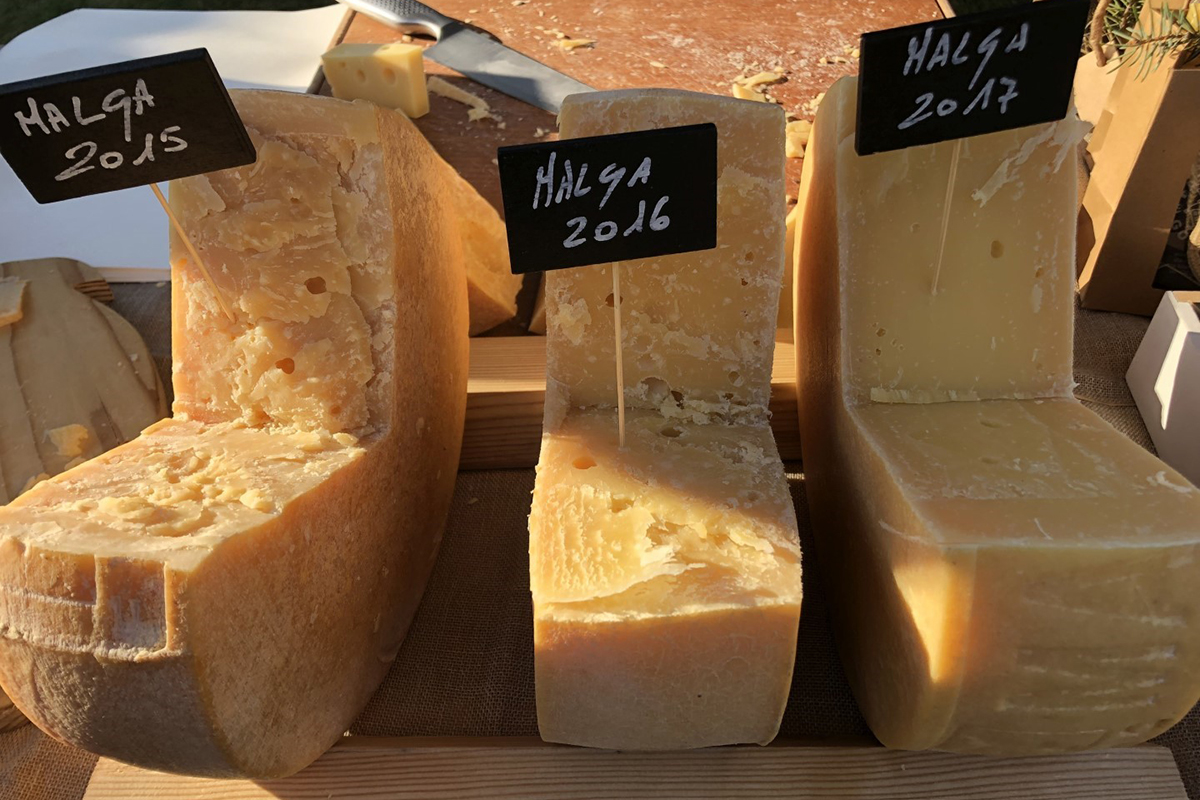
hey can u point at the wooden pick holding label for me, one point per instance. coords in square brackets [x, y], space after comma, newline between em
[608, 199]
[966, 76]
[121, 125]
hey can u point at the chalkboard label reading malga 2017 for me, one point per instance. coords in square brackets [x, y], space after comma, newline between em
[967, 75]
[120, 125]
[610, 198]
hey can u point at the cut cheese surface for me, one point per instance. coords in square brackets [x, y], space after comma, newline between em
[666, 573]
[666, 583]
[1009, 574]
[1033, 470]
[391, 75]
[908, 341]
[221, 595]
[678, 498]
[181, 487]
[698, 328]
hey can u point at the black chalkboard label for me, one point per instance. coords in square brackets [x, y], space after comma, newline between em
[120, 125]
[610, 198]
[967, 75]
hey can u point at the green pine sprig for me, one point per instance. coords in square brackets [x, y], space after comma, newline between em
[1147, 46]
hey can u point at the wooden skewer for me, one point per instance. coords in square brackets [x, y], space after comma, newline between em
[616, 275]
[187, 242]
[946, 213]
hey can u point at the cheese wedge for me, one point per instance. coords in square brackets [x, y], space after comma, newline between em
[666, 573]
[392, 75]
[221, 595]
[1010, 575]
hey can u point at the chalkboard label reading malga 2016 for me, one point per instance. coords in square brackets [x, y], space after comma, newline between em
[611, 198]
[967, 75]
[120, 125]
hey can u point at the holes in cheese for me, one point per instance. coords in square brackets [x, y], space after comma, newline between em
[221, 595]
[666, 575]
[1012, 575]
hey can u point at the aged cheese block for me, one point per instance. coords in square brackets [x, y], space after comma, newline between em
[392, 75]
[1010, 575]
[221, 595]
[666, 573]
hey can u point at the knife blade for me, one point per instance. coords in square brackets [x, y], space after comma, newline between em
[474, 55]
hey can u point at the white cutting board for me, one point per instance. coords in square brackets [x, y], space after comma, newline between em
[124, 233]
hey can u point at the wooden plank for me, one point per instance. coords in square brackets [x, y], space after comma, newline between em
[460, 769]
[507, 386]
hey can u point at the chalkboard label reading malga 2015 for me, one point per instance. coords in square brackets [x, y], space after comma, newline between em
[120, 125]
[967, 75]
[611, 198]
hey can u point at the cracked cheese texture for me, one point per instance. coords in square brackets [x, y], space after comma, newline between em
[666, 574]
[221, 595]
[1011, 574]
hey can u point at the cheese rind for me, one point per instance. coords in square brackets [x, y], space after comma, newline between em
[666, 573]
[221, 595]
[1012, 575]
[391, 75]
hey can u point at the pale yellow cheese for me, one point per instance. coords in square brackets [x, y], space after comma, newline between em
[391, 75]
[221, 595]
[1009, 574]
[666, 573]
[798, 132]
[477, 107]
[12, 293]
[69, 440]
[666, 583]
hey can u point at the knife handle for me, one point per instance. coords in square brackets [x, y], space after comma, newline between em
[407, 15]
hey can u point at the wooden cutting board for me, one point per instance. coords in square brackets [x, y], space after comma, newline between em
[70, 360]
[364, 768]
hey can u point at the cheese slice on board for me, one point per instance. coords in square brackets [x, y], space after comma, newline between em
[221, 595]
[1010, 574]
[666, 573]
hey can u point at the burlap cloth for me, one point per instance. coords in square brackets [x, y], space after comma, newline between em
[466, 667]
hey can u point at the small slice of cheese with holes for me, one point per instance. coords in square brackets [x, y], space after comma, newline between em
[390, 75]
